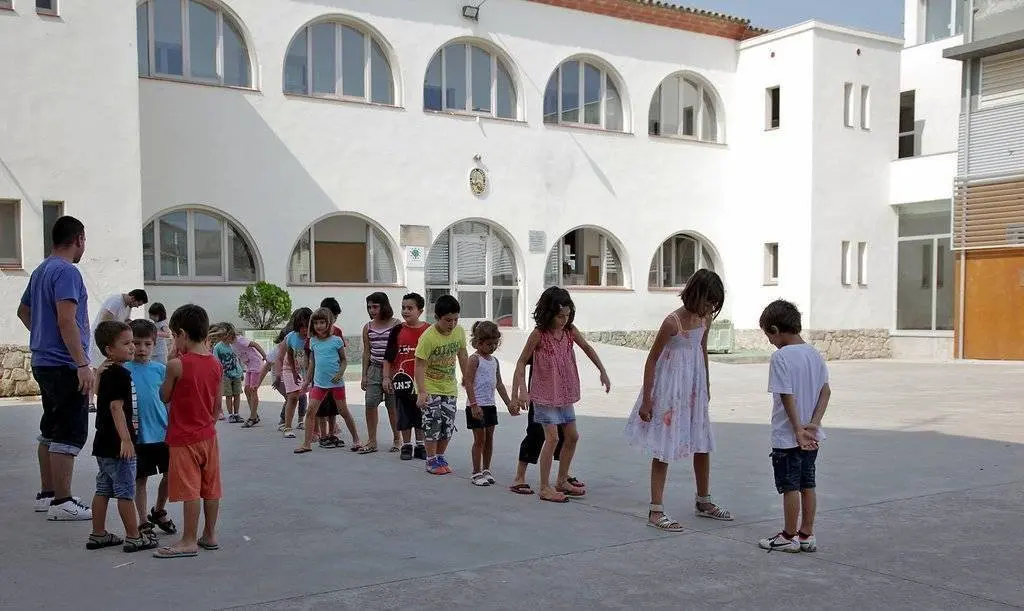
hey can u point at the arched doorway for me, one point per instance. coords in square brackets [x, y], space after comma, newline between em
[475, 262]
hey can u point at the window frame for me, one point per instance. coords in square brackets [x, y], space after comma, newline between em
[16, 262]
[369, 37]
[223, 18]
[54, 11]
[371, 240]
[773, 108]
[606, 75]
[912, 133]
[227, 226]
[496, 62]
[603, 249]
[47, 238]
[700, 245]
[955, 27]
[703, 90]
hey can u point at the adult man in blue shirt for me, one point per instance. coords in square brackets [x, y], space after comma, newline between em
[55, 310]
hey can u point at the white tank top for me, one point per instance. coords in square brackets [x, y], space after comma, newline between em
[486, 380]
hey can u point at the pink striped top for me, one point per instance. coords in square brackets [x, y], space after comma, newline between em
[556, 380]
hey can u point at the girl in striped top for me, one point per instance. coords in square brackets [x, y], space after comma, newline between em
[375, 342]
[555, 386]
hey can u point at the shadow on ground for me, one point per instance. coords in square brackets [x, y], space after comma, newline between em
[907, 520]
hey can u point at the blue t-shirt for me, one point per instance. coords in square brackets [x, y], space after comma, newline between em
[228, 361]
[56, 279]
[327, 360]
[147, 378]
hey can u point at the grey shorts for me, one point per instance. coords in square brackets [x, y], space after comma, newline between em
[375, 394]
[116, 478]
[439, 418]
[553, 414]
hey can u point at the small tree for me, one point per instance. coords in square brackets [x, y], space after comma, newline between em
[264, 305]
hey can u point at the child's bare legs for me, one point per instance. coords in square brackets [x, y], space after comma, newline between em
[547, 455]
[702, 473]
[659, 473]
[210, 511]
[161, 495]
[311, 423]
[140, 497]
[99, 515]
[419, 437]
[289, 408]
[220, 408]
[520, 473]
[476, 453]
[350, 422]
[393, 420]
[407, 436]
[190, 529]
[126, 507]
[570, 437]
[236, 402]
[809, 507]
[371, 426]
[791, 511]
[442, 446]
[488, 447]
[252, 396]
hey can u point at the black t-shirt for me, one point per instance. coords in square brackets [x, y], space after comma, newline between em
[115, 385]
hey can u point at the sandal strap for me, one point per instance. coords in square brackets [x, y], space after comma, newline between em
[657, 508]
[666, 520]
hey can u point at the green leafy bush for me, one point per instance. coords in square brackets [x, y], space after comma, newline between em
[264, 305]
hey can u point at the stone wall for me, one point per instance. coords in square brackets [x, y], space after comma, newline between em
[16, 372]
[834, 345]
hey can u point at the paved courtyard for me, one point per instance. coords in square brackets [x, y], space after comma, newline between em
[921, 506]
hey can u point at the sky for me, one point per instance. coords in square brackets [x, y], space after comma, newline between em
[882, 16]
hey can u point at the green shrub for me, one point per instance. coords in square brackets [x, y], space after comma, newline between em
[264, 305]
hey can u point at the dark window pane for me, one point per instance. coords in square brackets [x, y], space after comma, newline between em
[295, 66]
[202, 41]
[167, 33]
[353, 62]
[236, 57]
[432, 85]
[455, 77]
[481, 80]
[325, 78]
[382, 83]
[571, 92]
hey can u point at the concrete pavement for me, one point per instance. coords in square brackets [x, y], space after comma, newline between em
[921, 494]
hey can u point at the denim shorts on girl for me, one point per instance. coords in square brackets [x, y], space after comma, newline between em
[553, 414]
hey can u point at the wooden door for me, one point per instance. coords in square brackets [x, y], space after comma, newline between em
[994, 304]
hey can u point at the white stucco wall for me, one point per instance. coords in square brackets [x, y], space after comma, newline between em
[936, 83]
[70, 115]
[277, 163]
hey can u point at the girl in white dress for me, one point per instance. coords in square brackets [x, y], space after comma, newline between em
[670, 420]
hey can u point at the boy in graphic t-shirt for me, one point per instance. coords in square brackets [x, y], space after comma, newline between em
[399, 369]
[798, 381]
[114, 443]
[436, 385]
[191, 389]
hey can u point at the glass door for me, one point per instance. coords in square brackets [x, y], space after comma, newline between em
[469, 275]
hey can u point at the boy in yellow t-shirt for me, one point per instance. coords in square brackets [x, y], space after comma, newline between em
[436, 385]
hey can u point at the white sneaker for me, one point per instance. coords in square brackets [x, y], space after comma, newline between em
[68, 511]
[809, 544]
[780, 543]
[289, 434]
[490, 478]
[42, 504]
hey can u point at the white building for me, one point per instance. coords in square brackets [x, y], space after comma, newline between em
[336, 147]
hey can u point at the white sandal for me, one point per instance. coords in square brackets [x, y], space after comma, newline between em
[715, 513]
[665, 522]
[479, 479]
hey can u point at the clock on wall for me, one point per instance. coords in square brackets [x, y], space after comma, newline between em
[477, 181]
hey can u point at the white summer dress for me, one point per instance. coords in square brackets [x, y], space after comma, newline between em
[680, 424]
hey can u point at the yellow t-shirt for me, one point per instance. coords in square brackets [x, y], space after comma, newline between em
[441, 352]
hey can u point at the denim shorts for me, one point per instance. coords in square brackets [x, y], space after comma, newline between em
[116, 478]
[794, 469]
[553, 414]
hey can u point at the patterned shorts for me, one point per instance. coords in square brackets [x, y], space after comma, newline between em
[439, 418]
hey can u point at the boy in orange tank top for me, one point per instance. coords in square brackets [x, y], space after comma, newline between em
[191, 392]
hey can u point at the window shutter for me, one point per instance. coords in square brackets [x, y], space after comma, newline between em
[1002, 80]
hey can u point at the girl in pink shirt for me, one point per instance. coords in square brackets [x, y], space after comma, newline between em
[555, 386]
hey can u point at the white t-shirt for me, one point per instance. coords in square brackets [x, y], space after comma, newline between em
[115, 305]
[800, 371]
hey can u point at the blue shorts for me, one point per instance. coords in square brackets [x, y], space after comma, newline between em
[116, 478]
[553, 414]
[794, 469]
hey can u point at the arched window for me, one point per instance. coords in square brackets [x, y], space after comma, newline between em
[192, 40]
[343, 249]
[582, 93]
[339, 60]
[465, 77]
[684, 107]
[584, 257]
[677, 259]
[196, 245]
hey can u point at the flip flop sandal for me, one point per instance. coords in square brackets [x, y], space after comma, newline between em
[576, 482]
[521, 489]
[301, 450]
[564, 499]
[207, 546]
[368, 449]
[107, 540]
[167, 552]
[572, 491]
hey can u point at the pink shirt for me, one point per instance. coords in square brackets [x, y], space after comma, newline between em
[556, 380]
[247, 355]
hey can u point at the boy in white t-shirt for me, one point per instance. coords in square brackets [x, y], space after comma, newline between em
[798, 381]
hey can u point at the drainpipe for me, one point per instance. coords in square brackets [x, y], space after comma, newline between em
[969, 91]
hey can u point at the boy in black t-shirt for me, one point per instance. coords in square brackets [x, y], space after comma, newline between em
[114, 443]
